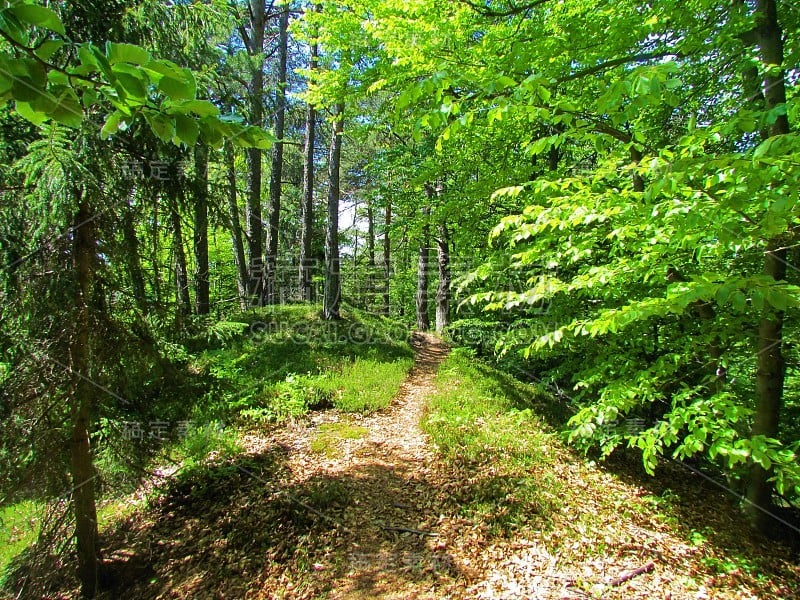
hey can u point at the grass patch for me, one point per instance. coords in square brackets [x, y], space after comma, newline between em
[367, 384]
[483, 422]
[290, 360]
[330, 435]
[19, 528]
[479, 412]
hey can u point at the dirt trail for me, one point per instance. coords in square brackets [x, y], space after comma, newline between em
[392, 522]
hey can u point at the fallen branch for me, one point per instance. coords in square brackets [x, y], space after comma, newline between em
[635, 573]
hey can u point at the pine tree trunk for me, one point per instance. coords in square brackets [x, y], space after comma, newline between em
[255, 227]
[443, 291]
[236, 226]
[771, 368]
[423, 320]
[82, 469]
[332, 297]
[202, 293]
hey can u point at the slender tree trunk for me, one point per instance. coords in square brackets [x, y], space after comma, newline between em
[370, 296]
[83, 474]
[443, 291]
[236, 226]
[134, 265]
[405, 264]
[423, 320]
[275, 182]
[387, 260]
[358, 291]
[370, 236]
[771, 367]
[255, 227]
[181, 270]
[155, 254]
[332, 297]
[202, 292]
[307, 219]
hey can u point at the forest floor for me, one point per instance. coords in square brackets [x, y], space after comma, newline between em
[338, 505]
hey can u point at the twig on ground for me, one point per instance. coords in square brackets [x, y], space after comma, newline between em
[635, 573]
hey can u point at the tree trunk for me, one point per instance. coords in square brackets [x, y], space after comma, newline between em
[275, 187]
[771, 367]
[83, 475]
[370, 236]
[330, 306]
[134, 265]
[423, 320]
[155, 254]
[370, 295]
[307, 226]
[255, 227]
[638, 180]
[181, 271]
[387, 261]
[202, 293]
[236, 227]
[443, 291]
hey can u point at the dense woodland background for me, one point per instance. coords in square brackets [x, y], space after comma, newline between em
[601, 198]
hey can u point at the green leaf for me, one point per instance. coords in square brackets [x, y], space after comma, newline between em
[102, 62]
[157, 69]
[183, 88]
[162, 125]
[38, 16]
[210, 134]
[6, 83]
[757, 298]
[68, 109]
[13, 27]
[777, 298]
[112, 124]
[759, 456]
[26, 111]
[186, 130]
[58, 78]
[48, 48]
[738, 301]
[133, 84]
[88, 59]
[126, 53]
[202, 108]
[89, 98]
[28, 77]
[27, 90]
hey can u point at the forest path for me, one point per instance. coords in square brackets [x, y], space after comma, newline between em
[388, 478]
